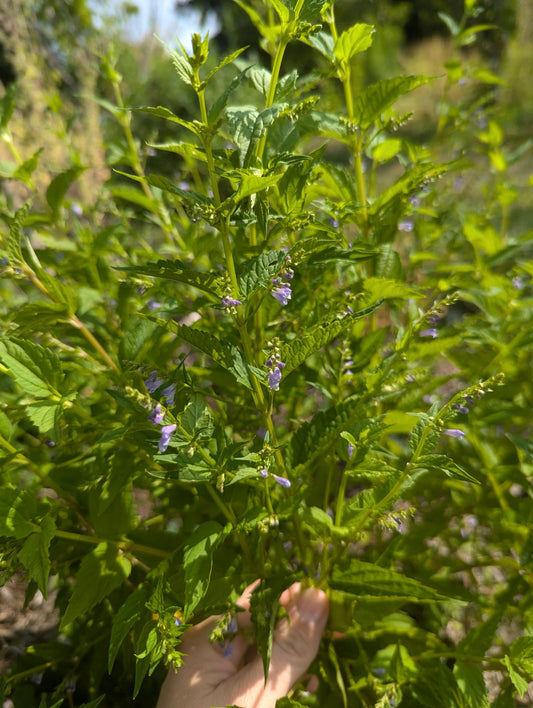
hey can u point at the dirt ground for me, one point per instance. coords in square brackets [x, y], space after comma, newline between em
[22, 627]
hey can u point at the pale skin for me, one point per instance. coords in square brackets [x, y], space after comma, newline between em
[208, 678]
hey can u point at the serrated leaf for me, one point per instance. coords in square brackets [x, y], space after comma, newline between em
[58, 187]
[35, 369]
[316, 435]
[369, 580]
[136, 333]
[519, 682]
[45, 415]
[310, 9]
[297, 351]
[41, 316]
[264, 605]
[176, 270]
[249, 184]
[128, 614]
[324, 43]
[17, 510]
[442, 463]
[521, 654]
[376, 98]
[181, 64]
[221, 102]
[58, 290]
[352, 41]
[470, 680]
[260, 78]
[196, 419]
[228, 356]
[386, 289]
[258, 272]
[101, 571]
[34, 554]
[198, 562]
[16, 224]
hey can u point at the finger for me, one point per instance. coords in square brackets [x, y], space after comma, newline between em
[294, 646]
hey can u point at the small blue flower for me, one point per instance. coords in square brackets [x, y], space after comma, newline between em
[282, 293]
[282, 480]
[432, 332]
[157, 415]
[460, 409]
[166, 434]
[406, 225]
[350, 450]
[274, 377]
[230, 302]
[454, 433]
[169, 393]
[152, 383]
[263, 473]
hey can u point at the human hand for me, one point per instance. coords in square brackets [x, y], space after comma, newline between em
[211, 677]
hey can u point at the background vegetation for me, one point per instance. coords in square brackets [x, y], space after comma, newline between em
[143, 252]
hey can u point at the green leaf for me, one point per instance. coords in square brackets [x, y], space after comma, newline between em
[310, 9]
[45, 415]
[442, 463]
[220, 103]
[470, 680]
[135, 196]
[196, 418]
[227, 60]
[58, 187]
[100, 572]
[260, 78]
[369, 580]
[34, 554]
[91, 704]
[58, 289]
[264, 605]
[324, 43]
[16, 224]
[386, 289]
[128, 614]
[519, 682]
[354, 40]
[479, 639]
[7, 105]
[176, 270]
[376, 98]
[258, 272]
[521, 654]
[297, 351]
[17, 511]
[249, 184]
[27, 168]
[228, 356]
[162, 112]
[35, 369]
[313, 437]
[181, 64]
[198, 562]
[136, 333]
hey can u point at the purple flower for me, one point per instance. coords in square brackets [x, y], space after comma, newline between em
[168, 393]
[230, 302]
[177, 622]
[152, 304]
[282, 480]
[432, 332]
[461, 409]
[274, 377]
[166, 434]
[405, 225]
[350, 450]
[152, 383]
[263, 473]
[454, 433]
[157, 415]
[282, 293]
[517, 282]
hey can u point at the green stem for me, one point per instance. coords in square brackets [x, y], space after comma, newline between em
[125, 545]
